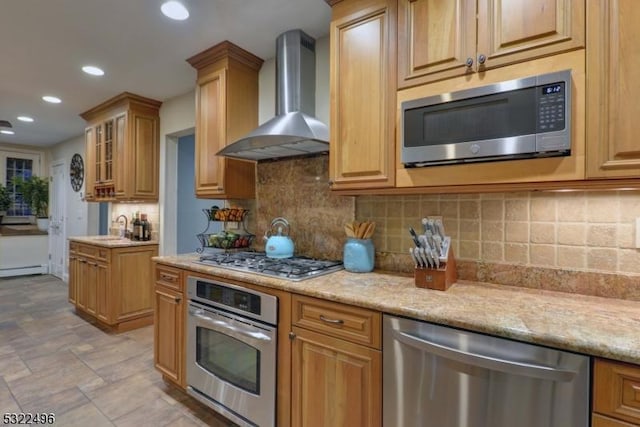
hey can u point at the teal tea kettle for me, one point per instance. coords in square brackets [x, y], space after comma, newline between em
[279, 244]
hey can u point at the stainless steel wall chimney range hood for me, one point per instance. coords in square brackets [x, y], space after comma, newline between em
[293, 131]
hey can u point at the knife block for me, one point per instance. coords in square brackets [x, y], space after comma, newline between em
[440, 278]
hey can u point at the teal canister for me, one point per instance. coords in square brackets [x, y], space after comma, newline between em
[358, 255]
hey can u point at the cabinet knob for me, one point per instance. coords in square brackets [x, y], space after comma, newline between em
[292, 336]
[482, 59]
[469, 62]
[177, 299]
[220, 188]
[331, 183]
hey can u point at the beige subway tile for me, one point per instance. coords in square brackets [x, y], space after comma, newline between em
[572, 257]
[492, 196]
[543, 209]
[451, 227]
[572, 234]
[516, 253]
[395, 244]
[629, 206]
[492, 210]
[516, 209]
[571, 207]
[542, 232]
[446, 196]
[602, 235]
[411, 208]
[492, 251]
[492, 231]
[604, 259]
[543, 255]
[394, 226]
[469, 250]
[629, 261]
[429, 207]
[517, 231]
[626, 236]
[602, 207]
[469, 229]
[518, 195]
[469, 196]
[393, 209]
[449, 209]
[469, 209]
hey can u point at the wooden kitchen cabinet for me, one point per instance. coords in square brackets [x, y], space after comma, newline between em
[438, 40]
[336, 379]
[112, 285]
[169, 324]
[616, 394]
[122, 149]
[362, 91]
[226, 110]
[613, 59]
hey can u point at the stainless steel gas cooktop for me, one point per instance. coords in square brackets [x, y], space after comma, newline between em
[294, 269]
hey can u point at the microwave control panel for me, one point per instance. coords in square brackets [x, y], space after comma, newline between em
[551, 107]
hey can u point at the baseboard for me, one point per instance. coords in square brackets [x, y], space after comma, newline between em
[24, 271]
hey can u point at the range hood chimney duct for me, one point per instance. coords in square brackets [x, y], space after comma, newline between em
[294, 131]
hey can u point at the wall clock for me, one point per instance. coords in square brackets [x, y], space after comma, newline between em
[76, 173]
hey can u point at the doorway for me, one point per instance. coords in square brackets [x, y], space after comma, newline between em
[57, 216]
[191, 219]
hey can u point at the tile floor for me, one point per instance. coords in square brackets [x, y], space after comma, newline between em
[53, 361]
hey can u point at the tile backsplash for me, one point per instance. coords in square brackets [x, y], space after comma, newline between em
[591, 231]
[578, 241]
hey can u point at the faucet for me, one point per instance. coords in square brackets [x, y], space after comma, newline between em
[126, 230]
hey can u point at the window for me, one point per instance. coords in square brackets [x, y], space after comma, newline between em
[17, 163]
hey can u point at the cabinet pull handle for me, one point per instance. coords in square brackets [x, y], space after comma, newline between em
[91, 263]
[332, 321]
[469, 62]
[292, 336]
[177, 299]
[82, 260]
[482, 59]
[167, 277]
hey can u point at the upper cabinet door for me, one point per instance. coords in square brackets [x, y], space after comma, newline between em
[436, 39]
[90, 163]
[210, 132]
[613, 61]
[362, 85]
[511, 31]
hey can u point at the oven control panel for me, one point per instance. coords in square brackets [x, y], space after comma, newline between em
[241, 300]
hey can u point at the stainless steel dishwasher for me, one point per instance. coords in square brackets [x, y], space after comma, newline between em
[436, 376]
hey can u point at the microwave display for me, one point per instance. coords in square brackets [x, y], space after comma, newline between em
[508, 120]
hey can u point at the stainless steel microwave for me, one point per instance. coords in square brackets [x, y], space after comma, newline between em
[515, 119]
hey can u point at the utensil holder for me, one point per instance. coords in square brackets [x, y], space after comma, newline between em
[440, 278]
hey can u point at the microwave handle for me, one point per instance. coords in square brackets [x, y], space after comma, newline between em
[223, 326]
[487, 362]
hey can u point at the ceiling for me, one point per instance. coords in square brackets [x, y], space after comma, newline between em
[45, 44]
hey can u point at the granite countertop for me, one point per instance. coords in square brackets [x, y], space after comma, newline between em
[110, 241]
[591, 325]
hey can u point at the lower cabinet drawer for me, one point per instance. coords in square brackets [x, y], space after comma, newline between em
[600, 421]
[616, 391]
[169, 277]
[355, 324]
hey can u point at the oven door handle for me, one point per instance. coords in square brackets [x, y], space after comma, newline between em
[222, 326]
[487, 362]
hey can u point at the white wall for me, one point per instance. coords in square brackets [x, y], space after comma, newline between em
[82, 217]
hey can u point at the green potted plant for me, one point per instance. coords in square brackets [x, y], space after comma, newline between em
[35, 193]
[5, 201]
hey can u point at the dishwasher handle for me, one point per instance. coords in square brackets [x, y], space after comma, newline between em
[488, 362]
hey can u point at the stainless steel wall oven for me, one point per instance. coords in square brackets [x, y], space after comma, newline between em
[231, 350]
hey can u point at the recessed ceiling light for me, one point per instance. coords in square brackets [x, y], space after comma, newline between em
[94, 71]
[7, 132]
[25, 119]
[175, 10]
[52, 99]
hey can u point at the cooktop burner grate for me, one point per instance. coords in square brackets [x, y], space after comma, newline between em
[295, 269]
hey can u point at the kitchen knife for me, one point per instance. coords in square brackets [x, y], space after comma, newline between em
[440, 228]
[437, 240]
[413, 257]
[414, 236]
[416, 253]
[424, 253]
